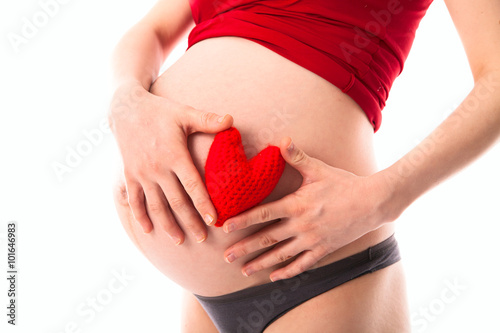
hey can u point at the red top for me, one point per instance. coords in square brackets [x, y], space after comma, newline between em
[360, 46]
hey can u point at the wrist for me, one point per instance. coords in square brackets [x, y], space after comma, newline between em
[392, 199]
[127, 98]
[128, 86]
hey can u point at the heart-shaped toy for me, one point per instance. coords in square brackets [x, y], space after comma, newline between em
[235, 183]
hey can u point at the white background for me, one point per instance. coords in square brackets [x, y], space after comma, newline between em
[57, 86]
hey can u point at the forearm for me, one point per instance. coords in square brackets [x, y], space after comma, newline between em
[138, 56]
[137, 60]
[468, 132]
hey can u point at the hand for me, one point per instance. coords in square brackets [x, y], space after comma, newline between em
[162, 182]
[332, 208]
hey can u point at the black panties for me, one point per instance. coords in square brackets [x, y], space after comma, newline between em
[253, 309]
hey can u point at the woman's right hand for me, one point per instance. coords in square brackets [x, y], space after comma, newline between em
[163, 185]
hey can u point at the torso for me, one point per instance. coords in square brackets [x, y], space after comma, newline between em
[269, 98]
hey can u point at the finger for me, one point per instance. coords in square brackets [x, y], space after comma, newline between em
[137, 205]
[297, 158]
[282, 208]
[183, 210]
[268, 236]
[193, 120]
[279, 254]
[301, 264]
[191, 180]
[159, 213]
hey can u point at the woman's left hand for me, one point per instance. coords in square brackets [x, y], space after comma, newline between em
[332, 208]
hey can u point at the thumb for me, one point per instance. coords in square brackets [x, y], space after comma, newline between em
[203, 121]
[296, 157]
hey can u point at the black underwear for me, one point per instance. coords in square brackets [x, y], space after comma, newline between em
[252, 310]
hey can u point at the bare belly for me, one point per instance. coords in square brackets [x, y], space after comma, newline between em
[269, 98]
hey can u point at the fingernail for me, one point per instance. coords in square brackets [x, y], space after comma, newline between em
[273, 278]
[230, 228]
[208, 219]
[221, 119]
[247, 272]
[200, 237]
[176, 240]
[230, 258]
[290, 146]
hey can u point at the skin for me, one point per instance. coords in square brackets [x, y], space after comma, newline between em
[331, 157]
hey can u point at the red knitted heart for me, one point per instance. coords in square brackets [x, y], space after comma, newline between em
[235, 183]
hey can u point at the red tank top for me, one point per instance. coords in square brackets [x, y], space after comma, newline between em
[360, 46]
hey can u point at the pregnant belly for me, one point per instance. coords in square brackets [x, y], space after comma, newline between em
[269, 98]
